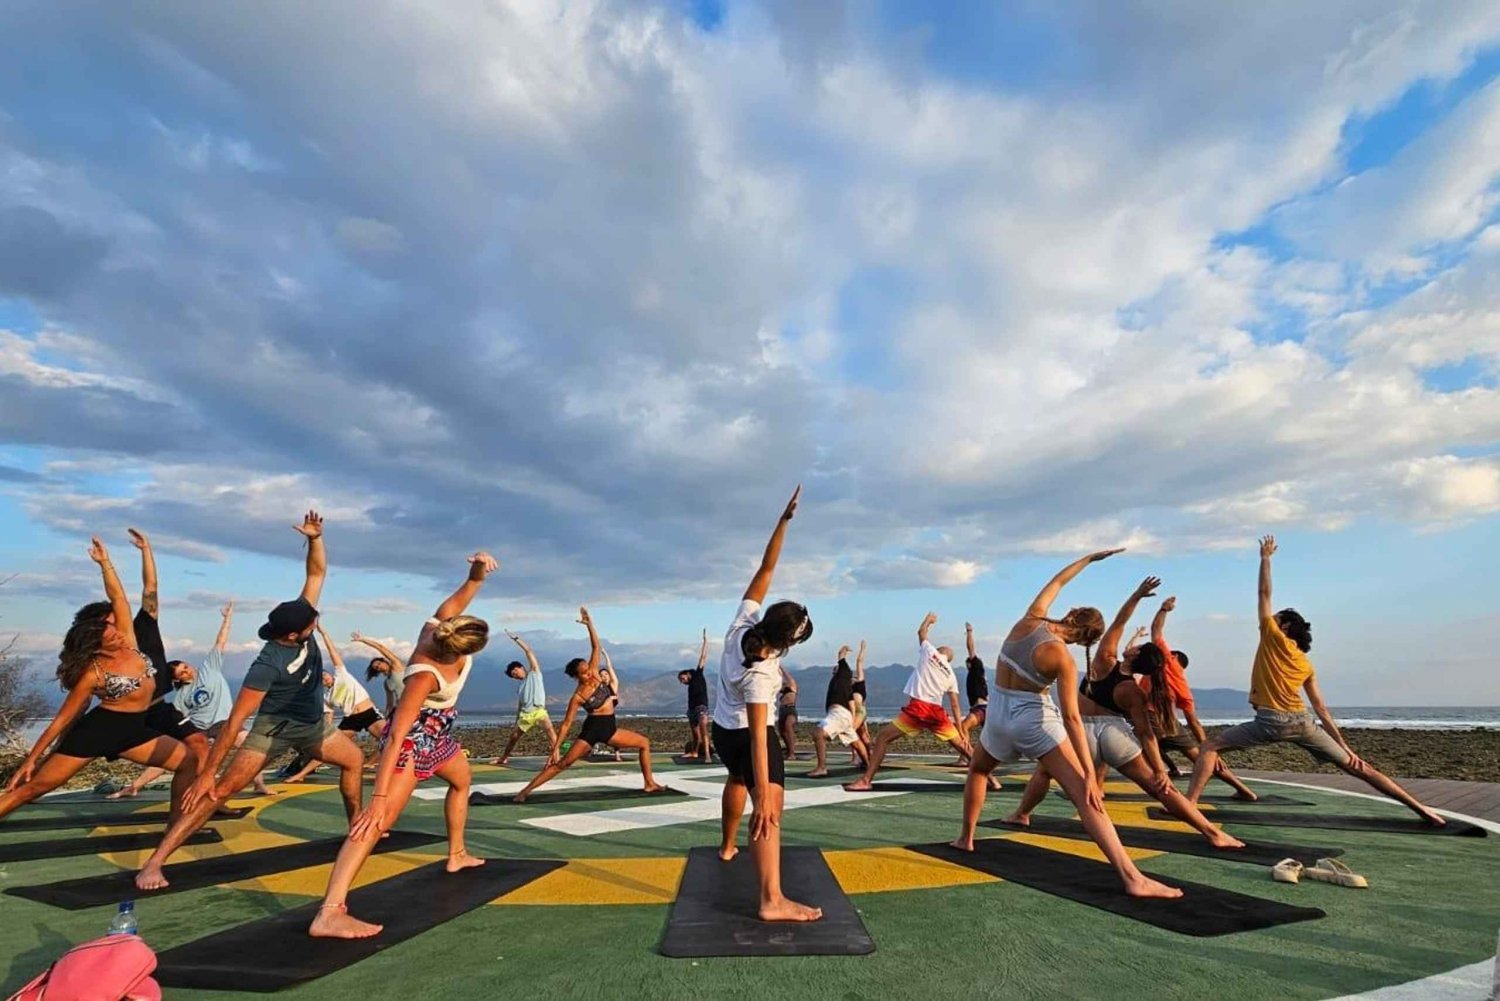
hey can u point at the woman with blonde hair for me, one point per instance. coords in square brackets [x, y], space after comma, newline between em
[1022, 721]
[418, 744]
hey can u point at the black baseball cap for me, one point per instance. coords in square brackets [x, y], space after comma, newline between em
[288, 617]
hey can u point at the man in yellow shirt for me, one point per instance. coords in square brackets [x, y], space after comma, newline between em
[1282, 673]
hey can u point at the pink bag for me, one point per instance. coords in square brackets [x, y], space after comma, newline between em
[113, 968]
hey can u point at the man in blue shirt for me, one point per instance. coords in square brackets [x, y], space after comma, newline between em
[531, 708]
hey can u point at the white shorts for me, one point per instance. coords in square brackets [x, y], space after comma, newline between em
[1112, 740]
[839, 724]
[1021, 725]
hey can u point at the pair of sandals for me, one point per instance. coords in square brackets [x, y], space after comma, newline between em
[1327, 870]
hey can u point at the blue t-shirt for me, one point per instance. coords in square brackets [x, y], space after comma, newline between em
[533, 695]
[292, 678]
[207, 700]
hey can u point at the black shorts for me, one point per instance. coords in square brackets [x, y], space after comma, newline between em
[1181, 741]
[782, 712]
[733, 749]
[362, 720]
[167, 720]
[597, 730]
[695, 715]
[106, 733]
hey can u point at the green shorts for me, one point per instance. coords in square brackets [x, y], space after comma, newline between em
[530, 719]
[271, 735]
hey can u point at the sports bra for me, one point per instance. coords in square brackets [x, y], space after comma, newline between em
[115, 687]
[601, 694]
[1102, 691]
[446, 695]
[859, 689]
[1019, 653]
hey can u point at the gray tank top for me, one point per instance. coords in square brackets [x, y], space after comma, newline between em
[1018, 653]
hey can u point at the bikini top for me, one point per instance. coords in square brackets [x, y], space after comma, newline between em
[1102, 691]
[601, 694]
[115, 687]
[1018, 654]
[446, 695]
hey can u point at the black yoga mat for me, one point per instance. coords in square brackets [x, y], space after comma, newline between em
[716, 911]
[1176, 842]
[1216, 798]
[1333, 822]
[848, 771]
[935, 785]
[272, 953]
[31, 851]
[96, 891]
[100, 818]
[572, 796]
[1201, 911]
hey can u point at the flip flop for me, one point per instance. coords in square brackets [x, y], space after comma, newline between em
[1288, 870]
[1329, 870]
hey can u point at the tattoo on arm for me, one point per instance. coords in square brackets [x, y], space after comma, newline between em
[150, 603]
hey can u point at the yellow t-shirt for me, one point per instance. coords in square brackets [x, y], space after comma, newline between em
[1281, 669]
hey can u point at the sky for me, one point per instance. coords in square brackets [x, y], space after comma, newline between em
[593, 286]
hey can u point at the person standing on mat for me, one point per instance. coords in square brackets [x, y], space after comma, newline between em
[1024, 723]
[748, 682]
[1117, 720]
[419, 743]
[1186, 741]
[607, 672]
[786, 713]
[931, 683]
[283, 689]
[697, 712]
[531, 706]
[976, 687]
[101, 659]
[596, 697]
[387, 666]
[838, 721]
[861, 710]
[1281, 673]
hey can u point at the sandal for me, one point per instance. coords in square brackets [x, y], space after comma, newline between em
[1288, 870]
[1330, 870]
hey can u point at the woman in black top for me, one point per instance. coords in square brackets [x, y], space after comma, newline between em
[697, 712]
[976, 688]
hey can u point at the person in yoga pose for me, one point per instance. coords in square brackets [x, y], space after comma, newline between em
[531, 706]
[386, 666]
[786, 713]
[748, 683]
[283, 690]
[1118, 720]
[1022, 721]
[838, 721]
[1282, 672]
[345, 697]
[102, 660]
[698, 715]
[607, 672]
[419, 743]
[861, 714]
[931, 682]
[976, 687]
[596, 697]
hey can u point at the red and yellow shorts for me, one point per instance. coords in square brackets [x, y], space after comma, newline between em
[918, 716]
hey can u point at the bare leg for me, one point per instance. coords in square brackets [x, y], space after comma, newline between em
[242, 767]
[820, 748]
[1384, 783]
[550, 772]
[510, 745]
[787, 727]
[182, 778]
[732, 808]
[1203, 769]
[333, 921]
[630, 740]
[140, 782]
[703, 741]
[1036, 791]
[965, 754]
[54, 770]
[888, 735]
[457, 774]
[976, 788]
[1136, 771]
[766, 854]
[1223, 774]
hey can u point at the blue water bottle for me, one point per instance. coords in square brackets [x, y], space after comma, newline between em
[124, 920]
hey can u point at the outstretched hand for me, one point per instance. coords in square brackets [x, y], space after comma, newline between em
[97, 552]
[1267, 547]
[1170, 604]
[1104, 554]
[791, 505]
[138, 539]
[481, 565]
[311, 527]
[583, 617]
[228, 608]
[1148, 587]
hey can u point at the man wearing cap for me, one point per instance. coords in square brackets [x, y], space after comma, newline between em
[284, 691]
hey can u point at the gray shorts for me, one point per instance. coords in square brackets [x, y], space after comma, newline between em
[272, 735]
[1272, 727]
[1182, 741]
[1112, 740]
[1021, 725]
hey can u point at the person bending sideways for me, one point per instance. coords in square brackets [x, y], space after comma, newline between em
[976, 687]
[1282, 672]
[838, 719]
[596, 697]
[698, 715]
[386, 666]
[749, 679]
[531, 706]
[1117, 720]
[861, 698]
[1025, 723]
[786, 713]
[345, 697]
[931, 682]
[419, 743]
[283, 690]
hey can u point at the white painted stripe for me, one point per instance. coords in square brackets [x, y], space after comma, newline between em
[1467, 983]
[1488, 825]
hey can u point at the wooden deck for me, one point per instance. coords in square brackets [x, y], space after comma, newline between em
[1477, 799]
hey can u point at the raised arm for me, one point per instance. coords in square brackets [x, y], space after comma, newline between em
[926, 626]
[150, 600]
[703, 651]
[1267, 550]
[311, 529]
[1042, 604]
[1159, 623]
[788, 682]
[222, 640]
[398, 665]
[969, 639]
[481, 565]
[1109, 643]
[761, 582]
[114, 592]
[587, 622]
[614, 678]
[859, 663]
[333, 651]
[526, 649]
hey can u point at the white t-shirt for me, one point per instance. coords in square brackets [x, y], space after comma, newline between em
[740, 685]
[933, 677]
[346, 692]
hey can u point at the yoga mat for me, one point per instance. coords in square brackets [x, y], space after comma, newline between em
[572, 796]
[1201, 911]
[1176, 842]
[716, 911]
[848, 771]
[96, 891]
[935, 785]
[275, 952]
[31, 851]
[1226, 798]
[98, 818]
[1333, 822]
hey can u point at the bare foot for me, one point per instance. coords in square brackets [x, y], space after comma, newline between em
[728, 854]
[821, 773]
[994, 783]
[520, 797]
[863, 785]
[1433, 819]
[1018, 819]
[1245, 797]
[963, 844]
[1144, 886]
[150, 878]
[463, 860]
[653, 787]
[295, 780]
[335, 922]
[125, 793]
[962, 762]
[1220, 839]
[789, 910]
[265, 791]
[502, 762]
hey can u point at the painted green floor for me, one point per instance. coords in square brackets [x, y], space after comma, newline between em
[1432, 908]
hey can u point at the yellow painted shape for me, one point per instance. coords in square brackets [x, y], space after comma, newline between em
[1072, 846]
[604, 881]
[881, 870]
